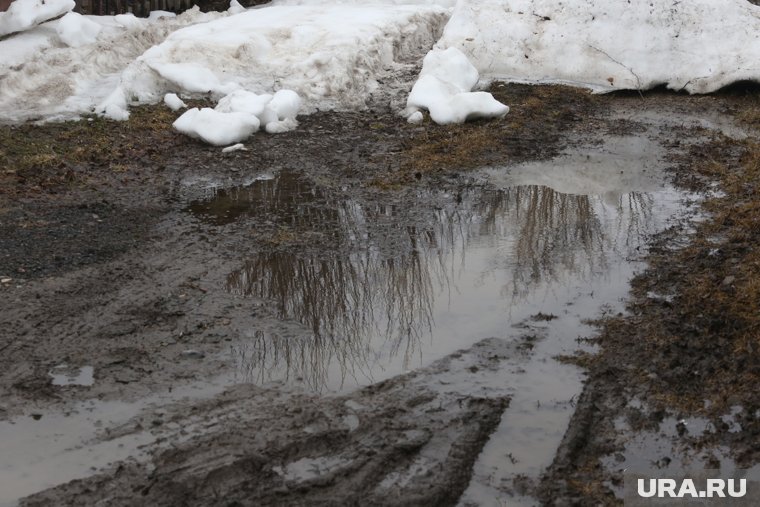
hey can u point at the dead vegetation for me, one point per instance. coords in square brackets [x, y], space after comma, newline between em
[533, 129]
[53, 156]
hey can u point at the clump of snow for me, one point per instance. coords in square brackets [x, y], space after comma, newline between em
[332, 55]
[24, 14]
[234, 147]
[698, 46]
[156, 15]
[115, 106]
[286, 103]
[235, 7]
[276, 113]
[230, 121]
[243, 101]
[174, 102]
[444, 89]
[213, 127]
[128, 20]
[416, 117]
[192, 78]
[281, 126]
[76, 30]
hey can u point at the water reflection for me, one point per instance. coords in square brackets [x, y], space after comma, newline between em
[404, 284]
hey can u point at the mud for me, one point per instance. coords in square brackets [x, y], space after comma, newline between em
[155, 302]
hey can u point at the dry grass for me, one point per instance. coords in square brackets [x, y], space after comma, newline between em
[538, 116]
[706, 345]
[53, 155]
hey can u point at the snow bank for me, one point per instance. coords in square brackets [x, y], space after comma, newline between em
[213, 127]
[39, 79]
[444, 88]
[76, 30]
[24, 14]
[698, 46]
[332, 56]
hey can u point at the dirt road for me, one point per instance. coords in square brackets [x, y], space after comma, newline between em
[188, 327]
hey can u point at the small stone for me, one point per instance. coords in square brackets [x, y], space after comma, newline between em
[6, 280]
[729, 280]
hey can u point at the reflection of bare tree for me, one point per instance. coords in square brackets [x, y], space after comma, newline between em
[366, 296]
[558, 233]
[344, 303]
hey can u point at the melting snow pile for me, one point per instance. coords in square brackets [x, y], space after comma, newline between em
[444, 88]
[333, 56]
[24, 14]
[240, 114]
[62, 68]
[696, 45]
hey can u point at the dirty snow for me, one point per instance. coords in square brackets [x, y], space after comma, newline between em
[41, 78]
[444, 89]
[333, 56]
[347, 55]
[698, 46]
[24, 14]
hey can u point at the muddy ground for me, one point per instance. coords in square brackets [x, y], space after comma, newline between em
[102, 264]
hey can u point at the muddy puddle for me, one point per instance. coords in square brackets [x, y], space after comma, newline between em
[368, 291]
[524, 254]
[352, 290]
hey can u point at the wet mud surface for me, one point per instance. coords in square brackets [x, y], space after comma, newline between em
[367, 311]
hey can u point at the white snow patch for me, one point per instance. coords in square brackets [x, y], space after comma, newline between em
[156, 15]
[306, 469]
[115, 106]
[76, 30]
[234, 147]
[24, 14]
[415, 117]
[698, 46]
[174, 102]
[213, 127]
[128, 20]
[286, 104]
[444, 86]
[280, 126]
[243, 101]
[192, 78]
[235, 7]
[276, 113]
